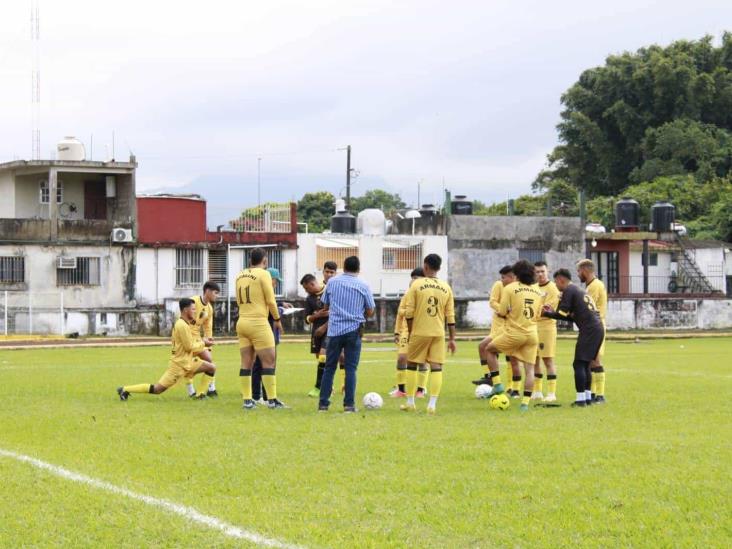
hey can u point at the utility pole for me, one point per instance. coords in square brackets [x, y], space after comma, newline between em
[348, 178]
[35, 23]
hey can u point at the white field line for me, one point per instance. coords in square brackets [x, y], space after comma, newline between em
[184, 511]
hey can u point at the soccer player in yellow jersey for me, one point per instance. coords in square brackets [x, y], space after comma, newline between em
[428, 305]
[497, 324]
[547, 330]
[596, 289]
[521, 303]
[401, 338]
[182, 363]
[203, 321]
[256, 300]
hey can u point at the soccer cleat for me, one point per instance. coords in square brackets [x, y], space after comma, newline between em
[408, 408]
[314, 393]
[420, 393]
[192, 396]
[537, 395]
[551, 397]
[200, 397]
[579, 404]
[600, 399]
[524, 408]
[515, 394]
[322, 408]
[349, 410]
[123, 395]
[212, 393]
[498, 389]
[275, 404]
[396, 393]
[249, 404]
[482, 381]
[431, 411]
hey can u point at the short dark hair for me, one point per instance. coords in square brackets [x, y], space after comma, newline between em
[330, 265]
[540, 264]
[433, 261]
[419, 271]
[185, 303]
[524, 271]
[352, 264]
[506, 269]
[256, 256]
[307, 279]
[209, 285]
[564, 273]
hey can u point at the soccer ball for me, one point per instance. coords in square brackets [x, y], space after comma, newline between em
[499, 402]
[483, 391]
[372, 401]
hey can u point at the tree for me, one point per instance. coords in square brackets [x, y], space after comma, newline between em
[379, 199]
[316, 209]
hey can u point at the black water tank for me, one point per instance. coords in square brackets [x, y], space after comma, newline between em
[461, 206]
[428, 211]
[343, 223]
[663, 216]
[627, 215]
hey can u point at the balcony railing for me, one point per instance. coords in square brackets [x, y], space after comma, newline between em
[267, 218]
[662, 285]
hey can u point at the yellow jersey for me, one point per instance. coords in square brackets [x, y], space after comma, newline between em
[498, 322]
[184, 344]
[255, 294]
[521, 305]
[429, 303]
[550, 296]
[596, 289]
[400, 326]
[203, 318]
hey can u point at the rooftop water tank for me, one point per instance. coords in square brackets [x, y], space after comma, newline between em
[663, 215]
[343, 223]
[340, 205]
[70, 148]
[627, 215]
[428, 211]
[461, 205]
[371, 222]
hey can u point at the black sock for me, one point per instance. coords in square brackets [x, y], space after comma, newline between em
[403, 387]
[581, 369]
[319, 374]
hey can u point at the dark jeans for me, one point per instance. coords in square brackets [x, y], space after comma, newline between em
[350, 345]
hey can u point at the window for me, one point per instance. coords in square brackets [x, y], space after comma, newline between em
[274, 260]
[608, 270]
[401, 255]
[652, 259]
[86, 273]
[188, 268]
[335, 249]
[44, 191]
[532, 255]
[12, 270]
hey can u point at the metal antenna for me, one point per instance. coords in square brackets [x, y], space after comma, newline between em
[35, 22]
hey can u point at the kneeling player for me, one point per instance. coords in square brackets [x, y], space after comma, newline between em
[497, 325]
[183, 363]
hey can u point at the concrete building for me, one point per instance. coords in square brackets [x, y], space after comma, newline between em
[67, 246]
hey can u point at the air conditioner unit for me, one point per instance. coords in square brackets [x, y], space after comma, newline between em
[121, 235]
[66, 263]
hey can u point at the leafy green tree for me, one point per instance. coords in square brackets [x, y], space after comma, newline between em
[379, 199]
[316, 209]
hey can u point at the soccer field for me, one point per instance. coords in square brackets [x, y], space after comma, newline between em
[650, 468]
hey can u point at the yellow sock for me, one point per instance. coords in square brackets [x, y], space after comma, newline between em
[538, 384]
[422, 379]
[245, 381]
[269, 380]
[516, 384]
[551, 385]
[203, 384]
[435, 383]
[140, 388]
[600, 381]
[593, 383]
[411, 382]
[496, 378]
[525, 400]
[401, 377]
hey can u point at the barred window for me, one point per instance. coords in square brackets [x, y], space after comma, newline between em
[532, 255]
[401, 255]
[188, 268]
[274, 260]
[12, 269]
[85, 273]
[44, 191]
[336, 249]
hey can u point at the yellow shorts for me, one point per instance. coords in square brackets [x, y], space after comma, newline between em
[547, 339]
[423, 349]
[518, 345]
[403, 345]
[497, 325]
[175, 372]
[255, 332]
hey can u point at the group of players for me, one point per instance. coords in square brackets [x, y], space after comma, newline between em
[525, 303]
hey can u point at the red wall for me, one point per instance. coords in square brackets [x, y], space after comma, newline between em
[170, 220]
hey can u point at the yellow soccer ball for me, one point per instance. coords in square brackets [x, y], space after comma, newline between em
[499, 402]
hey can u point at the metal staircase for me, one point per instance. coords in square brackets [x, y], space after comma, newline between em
[689, 277]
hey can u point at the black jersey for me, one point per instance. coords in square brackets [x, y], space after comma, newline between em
[313, 304]
[578, 306]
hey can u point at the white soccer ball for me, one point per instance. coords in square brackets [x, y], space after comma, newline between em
[483, 391]
[372, 401]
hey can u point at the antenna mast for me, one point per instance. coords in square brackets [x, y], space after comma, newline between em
[36, 81]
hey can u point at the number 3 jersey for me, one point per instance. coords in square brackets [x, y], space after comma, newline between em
[521, 306]
[429, 304]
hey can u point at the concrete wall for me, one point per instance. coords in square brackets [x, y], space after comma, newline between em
[711, 261]
[156, 276]
[7, 191]
[481, 245]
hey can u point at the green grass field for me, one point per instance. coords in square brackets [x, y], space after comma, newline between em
[651, 468]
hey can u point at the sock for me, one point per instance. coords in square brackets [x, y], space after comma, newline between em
[433, 402]
[269, 380]
[588, 394]
[422, 379]
[212, 385]
[516, 383]
[593, 384]
[245, 380]
[140, 388]
[435, 384]
[411, 385]
[319, 373]
[190, 389]
[496, 377]
[538, 383]
[551, 383]
[203, 384]
[581, 396]
[526, 398]
[600, 386]
[401, 378]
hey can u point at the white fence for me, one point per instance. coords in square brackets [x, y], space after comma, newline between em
[32, 313]
[267, 218]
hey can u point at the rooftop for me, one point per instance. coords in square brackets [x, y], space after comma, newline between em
[68, 164]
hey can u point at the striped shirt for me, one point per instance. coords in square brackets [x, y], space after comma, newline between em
[347, 297]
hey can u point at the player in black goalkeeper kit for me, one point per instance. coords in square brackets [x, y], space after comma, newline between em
[578, 306]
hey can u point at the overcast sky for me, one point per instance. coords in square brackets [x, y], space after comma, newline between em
[465, 92]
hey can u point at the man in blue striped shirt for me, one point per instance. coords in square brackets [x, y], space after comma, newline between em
[349, 303]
